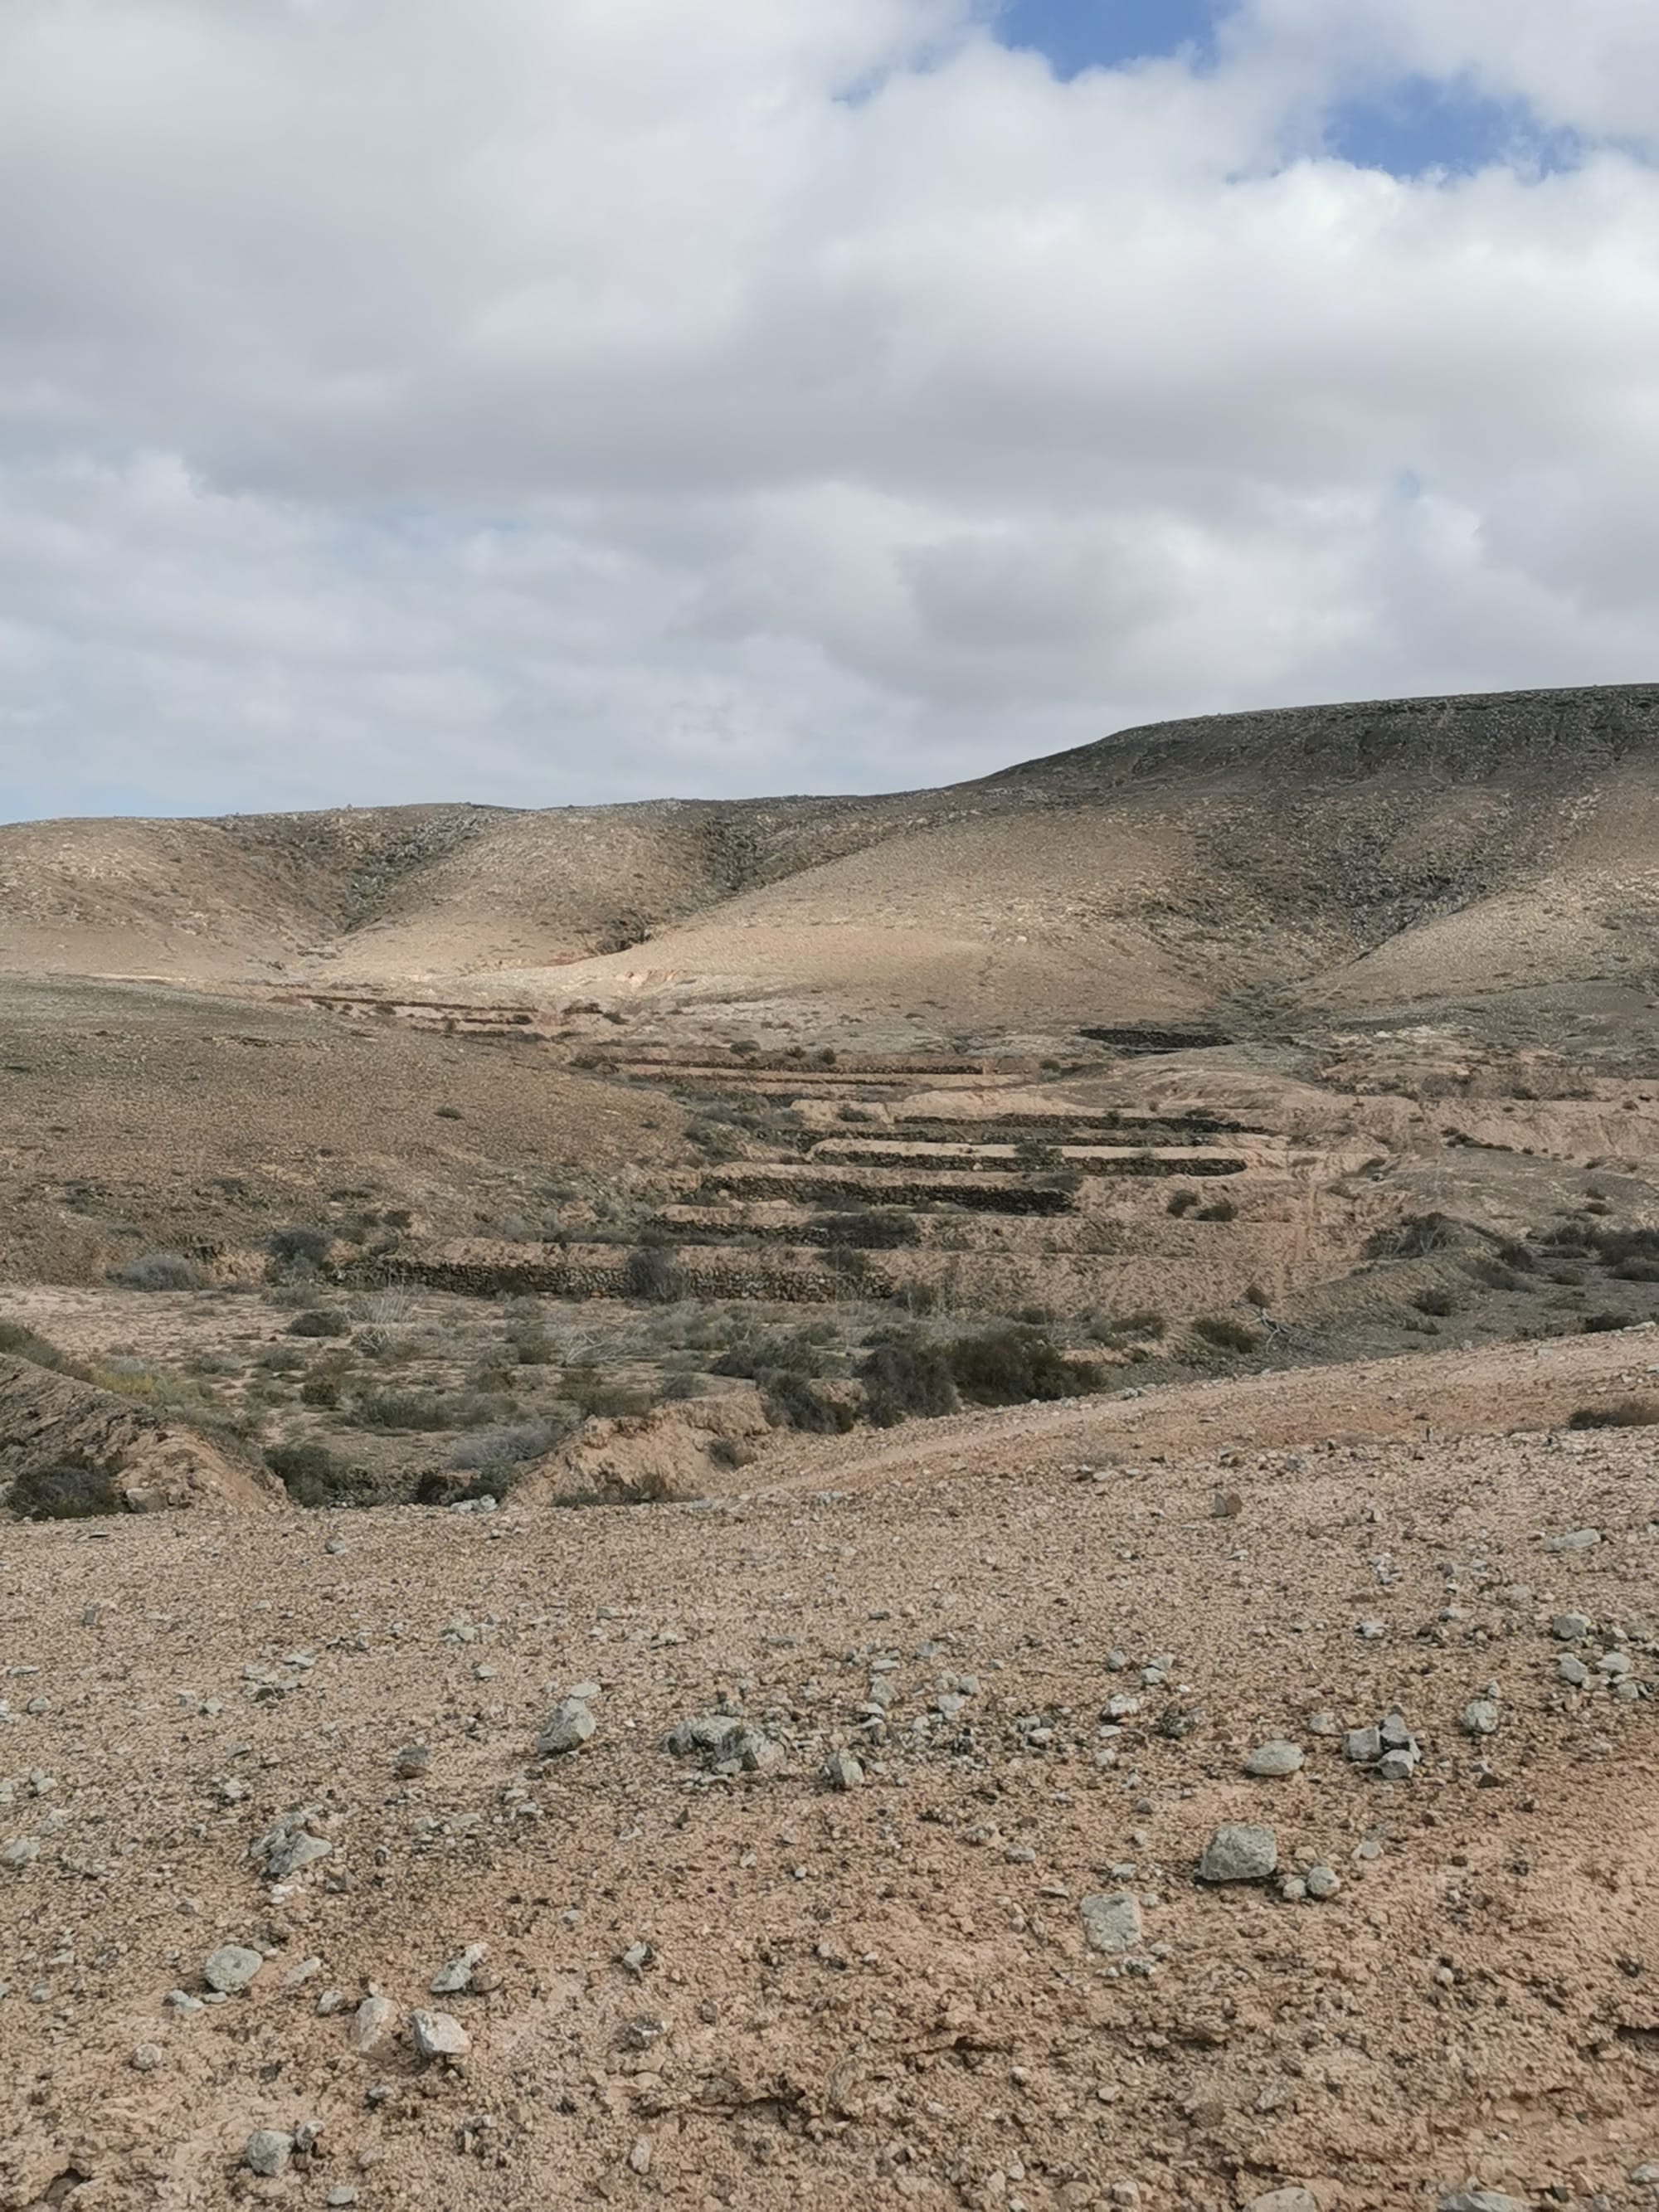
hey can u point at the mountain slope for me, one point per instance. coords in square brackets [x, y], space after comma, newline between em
[1360, 855]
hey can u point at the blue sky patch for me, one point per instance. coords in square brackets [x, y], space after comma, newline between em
[1423, 124]
[1079, 34]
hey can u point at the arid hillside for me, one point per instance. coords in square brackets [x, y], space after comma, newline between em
[1349, 858]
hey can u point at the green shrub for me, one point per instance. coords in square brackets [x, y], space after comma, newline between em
[871, 1229]
[792, 1401]
[72, 1491]
[764, 1352]
[320, 1320]
[312, 1476]
[159, 1271]
[1007, 1366]
[904, 1378]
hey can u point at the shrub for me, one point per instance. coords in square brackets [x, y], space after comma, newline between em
[1226, 1333]
[1143, 1323]
[21, 1343]
[1618, 1414]
[312, 1476]
[1495, 1275]
[1007, 1366]
[69, 1492]
[792, 1402]
[602, 1397]
[1438, 1302]
[1414, 1238]
[1256, 1296]
[404, 1409]
[321, 1389]
[1181, 1201]
[763, 1354]
[320, 1320]
[159, 1271]
[903, 1378]
[510, 1447]
[1218, 1209]
[652, 1272]
[1520, 1257]
[298, 1246]
[1599, 1324]
[447, 1113]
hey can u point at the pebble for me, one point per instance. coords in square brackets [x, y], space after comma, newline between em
[1270, 1762]
[21, 1851]
[1572, 1670]
[842, 1771]
[1570, 1627]
[567, 1728]
[146, 2058]
[456, 1976]
[437, 2035]
[1576, 1540]
[371, 2024]
[1284, 2200]
[1480, 1716]
[342, 2194]
[1112, 1923]
[1239, 1852]
[412, 1761]
[1323, 1882]
[267, 2152]
[1324, 1724]
[231, 1968]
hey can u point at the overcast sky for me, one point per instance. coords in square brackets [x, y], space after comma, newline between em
[542, 400]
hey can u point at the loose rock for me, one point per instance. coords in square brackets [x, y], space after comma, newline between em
[1112, 1923]
[567, 1728]
[231, 1968]
[437, 2035]
[1273, 1761]
[268, 2152]
[1238, 1851]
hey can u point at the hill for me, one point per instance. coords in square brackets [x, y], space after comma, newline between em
[1356, 858]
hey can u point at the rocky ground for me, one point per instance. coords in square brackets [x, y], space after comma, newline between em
[840, 1844]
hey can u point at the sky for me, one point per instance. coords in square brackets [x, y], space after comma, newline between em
[551, 401]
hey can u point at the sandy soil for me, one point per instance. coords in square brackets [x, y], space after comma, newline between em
[881, 1995]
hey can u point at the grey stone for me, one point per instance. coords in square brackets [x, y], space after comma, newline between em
[21, 1851]
[1576, 1540]
[411, 1761]
[842, 1771]
[1364, 1746]
[1570, 1627]
[371, 2024]
[1323, 1882]
[1293, 1889]
[300, 1851]
[1112, 1923]
[436, 2035]
[267, 2152]
[1270, 1762]
[1473, 2199]
[231, 1968]
[1615, 1665]
[453, 1978]
[1572, 1670]
[1396, 1765]
[1480, 1716]
[341, 2194]
[1284, 2200]
[567, 1728]
[1323, 1723]
[1395, 1734]
[146, 2058]
[1238, 1851]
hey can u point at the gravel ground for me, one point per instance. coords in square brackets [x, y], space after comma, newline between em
[705, 1988]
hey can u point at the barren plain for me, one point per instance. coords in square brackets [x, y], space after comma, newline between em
[942, 1499]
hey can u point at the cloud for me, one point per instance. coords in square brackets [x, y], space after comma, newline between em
[522, 404]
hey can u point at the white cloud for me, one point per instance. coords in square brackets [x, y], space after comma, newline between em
[537, 403]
